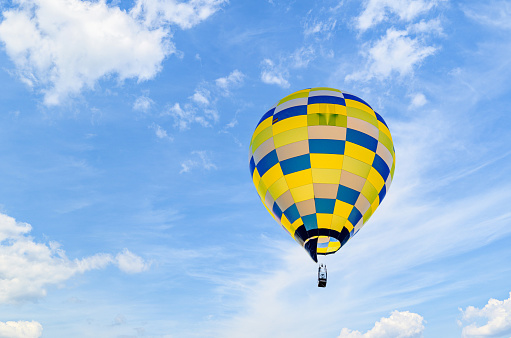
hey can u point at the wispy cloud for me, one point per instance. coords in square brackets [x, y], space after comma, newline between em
[418, 100]
[29, 267]
[376, 11]
[496, 315]
[400, 324]
[21, 329]
[201, 160]
[161, 133]
[234, 79]
[493, 14]
[271, 74]
[143, 104]
[396, 52]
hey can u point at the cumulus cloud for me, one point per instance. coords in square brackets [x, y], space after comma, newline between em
[497, 315]
[403, 324]
[396, 52]
[61, 47]
[21, 329]
[272, 75]
[201, 160]
[27, 267]
[376, 11]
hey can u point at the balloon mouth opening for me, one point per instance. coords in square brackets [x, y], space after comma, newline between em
[321, 245]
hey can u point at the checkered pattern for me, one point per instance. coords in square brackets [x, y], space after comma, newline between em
[322, 161]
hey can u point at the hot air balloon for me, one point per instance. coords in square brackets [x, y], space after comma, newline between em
[322, 161]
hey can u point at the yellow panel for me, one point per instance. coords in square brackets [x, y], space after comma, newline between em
[296, 224]
[332, 176]
[342, 209]
[349, 226]
[287, 225]
[290, 123]
[272, 175]
[256, 178]
[295, 95]
[338, 109]
[355, 166]
[333, 246]
[290, 136]
[367, 215]
[299, 178]
[305, 192]
[369, 192]
[383, 128]
[376, 179]
[263, 125]
[324, 220]
[326, 161]
[278, 188]
[359, 105]
[375, 204]
[261, 137]
[360, 153]
[262, 189]
[338, 222]
[313, 108]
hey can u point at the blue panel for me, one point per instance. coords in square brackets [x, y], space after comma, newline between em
[327, 99]
[362, 139]
[347, 195]
[382, 193]
[378, 116]
[354, 216]
[289, 112]
[277, 211]
[295, 164]
[326, 146]
[301, 234]
[267, 162]
[325, 205]
[355, 98]
[292, 213]
[381, 167]
[252, 166]
[310, 222]
[265, 116]
[311, 248]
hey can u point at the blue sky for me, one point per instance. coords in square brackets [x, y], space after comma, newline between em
[126, 203]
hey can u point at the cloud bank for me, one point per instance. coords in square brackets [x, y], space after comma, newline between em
[28, 268]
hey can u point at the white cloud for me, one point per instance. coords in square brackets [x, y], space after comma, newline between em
[323, 28]
[184, 117]
[131, 263]
[492, 13]
[497, 315]
[21, 329]
[201, 96]
[62, 47]
[399, 325]
[376, 11]
[184, 14]
[272, 75]
[161, 133]
[143, 104]
[27, 268]
[234, 79]
[418, 100]
[301, 57]
[395, 52]
[201, 160]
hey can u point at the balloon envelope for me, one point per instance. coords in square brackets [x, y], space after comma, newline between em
[322, 161]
